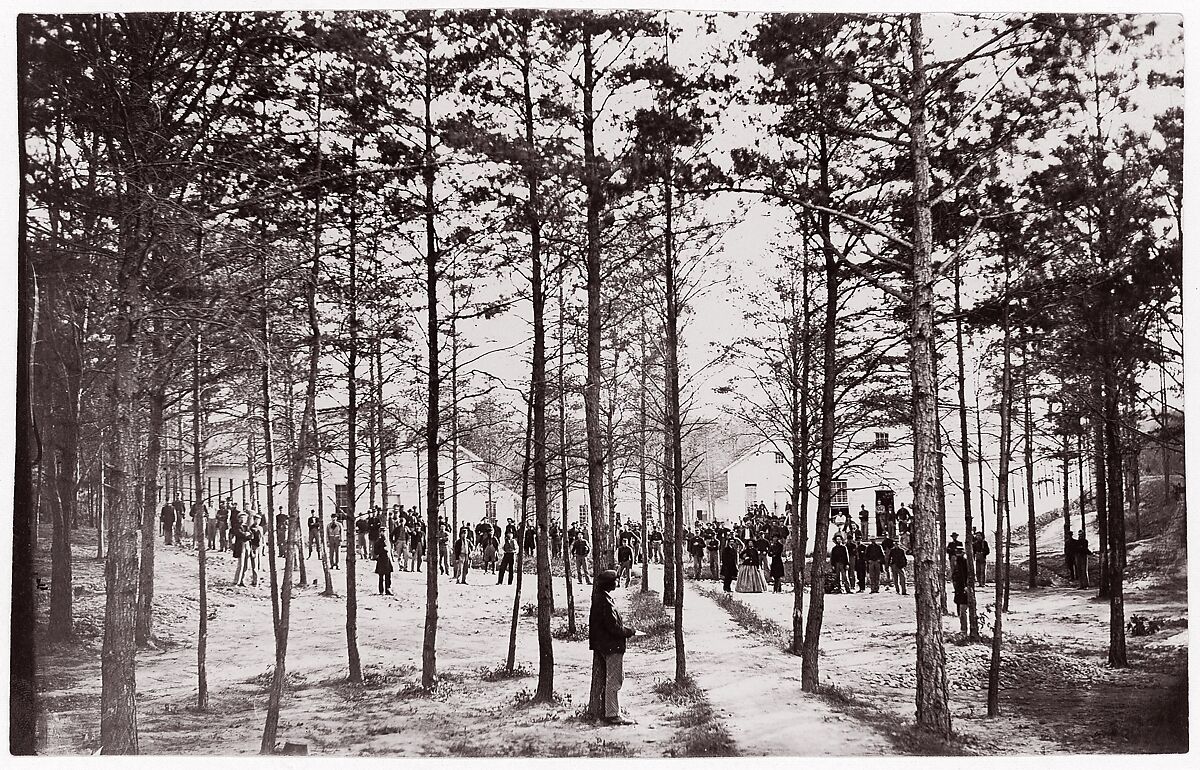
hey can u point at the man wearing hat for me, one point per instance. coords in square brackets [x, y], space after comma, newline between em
[606, 638]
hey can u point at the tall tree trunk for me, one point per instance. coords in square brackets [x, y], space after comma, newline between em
[1029, 501]
[643, 384]
[965, 441]
[674, 409]
[321, 552]
[541, 495]
[150, 489]
[1066, 490]
[1099, 458]
[511, 662]
[670, 573]
[61, 580]
[1115, 515]
[379, 416]
[810, 671]
[799, 386]
[933, 712]
[268, 428]
[432, 421]
[118, 689]
[562, 448]
[23, 703]
[1006, 388]
[601, 555]
[198, 518]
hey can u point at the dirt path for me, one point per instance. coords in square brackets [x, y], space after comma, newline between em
[755, 689]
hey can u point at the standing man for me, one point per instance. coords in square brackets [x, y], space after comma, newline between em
[624, 561]
[606, 638]
[958, 575]
[506, 562]
[899, 562]
[180, 512]
[333, 533]
[874, 556]
[864, 518]
[714, 551]
[656, 544]
[167, 519]
[224, 514]
[839, 559]
[314, 533]
[902, 519]
[980, 550]
[729, 562]
[1081, 559]
[579, 553]
[281, 529]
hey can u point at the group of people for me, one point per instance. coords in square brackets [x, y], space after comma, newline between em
[870, 563]
[747, 554]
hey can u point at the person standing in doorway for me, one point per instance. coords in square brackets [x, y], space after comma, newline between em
[606, 638]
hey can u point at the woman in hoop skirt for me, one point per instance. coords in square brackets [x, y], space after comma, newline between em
[750, 578]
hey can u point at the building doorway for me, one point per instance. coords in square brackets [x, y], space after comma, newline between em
[885, 513]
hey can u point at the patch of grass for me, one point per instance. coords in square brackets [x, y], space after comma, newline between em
[524, 699]
[443, 687]
[465, 748]
[905, 736]
[561, 631]
[603, 748]
[530, 611]
[745, 616]
[648, 615]
[678, 693]
[699, 734]
[386, 676]
[291, 679]
[500, 672]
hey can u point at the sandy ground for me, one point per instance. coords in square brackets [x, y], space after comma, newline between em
[753, 688]
[1058, 694]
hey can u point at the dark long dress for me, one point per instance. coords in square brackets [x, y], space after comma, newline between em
[775, 550]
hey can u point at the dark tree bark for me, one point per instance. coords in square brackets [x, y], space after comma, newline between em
[433, 418]
[198, 520]
[1028, 426]
[965, 441]
[602, 555]
[933, 712]
[1006, 396]
[22, 698]
[810, 671]
[145, 608]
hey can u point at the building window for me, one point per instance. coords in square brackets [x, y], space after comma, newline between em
[841, 494]
[490, 507]
[341, 495]
[583, 512]
[441, 493]
[881, 440]
[779, 458]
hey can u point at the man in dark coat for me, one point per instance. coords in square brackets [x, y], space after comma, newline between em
[898, 561]
[860, 564]
[958, 575]
[874, 557]
[1081, 559]
[980, 550]
[167, 519]
[1069, 556]
[839, 559]
[606, 638]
